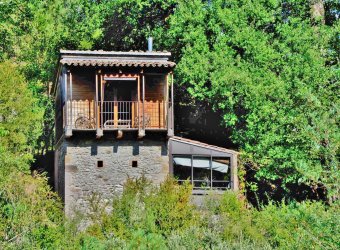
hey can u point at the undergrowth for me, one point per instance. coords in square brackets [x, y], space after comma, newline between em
[148, 216]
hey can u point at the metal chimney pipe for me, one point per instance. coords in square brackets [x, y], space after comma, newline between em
[150, 44]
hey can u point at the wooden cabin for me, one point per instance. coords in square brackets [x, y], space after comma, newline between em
[114, 121]
[114, 91]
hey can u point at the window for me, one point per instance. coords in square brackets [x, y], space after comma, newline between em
[201, 171]
[100, 164]
[220, 172]
[134, 164]
[204, 172]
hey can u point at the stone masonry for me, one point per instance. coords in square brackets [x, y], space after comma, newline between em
[87, 166]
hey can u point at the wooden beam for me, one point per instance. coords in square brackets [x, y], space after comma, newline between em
[172, 102]
[115, 108]
[101, 100]
[138, 101]
[71, 101]
[233, 173]
[166, 99]
[143, 82]
[120, 75]
[65, 87]
[96, 101]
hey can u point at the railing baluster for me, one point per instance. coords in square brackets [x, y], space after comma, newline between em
[122, 111]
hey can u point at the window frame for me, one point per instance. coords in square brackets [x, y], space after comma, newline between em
[191, 178]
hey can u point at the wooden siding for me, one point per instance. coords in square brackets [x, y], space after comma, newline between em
[83, 101]
[83, 96]
[154, 100]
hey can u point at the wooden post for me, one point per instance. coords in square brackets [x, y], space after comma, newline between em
[71, 101]
[138, 100]
[99, 128]
[115, 109]
[143, 94]
[192, 171]
[233, 173]
[68, 128]
[211, 171]
[132, 114]
[102, 100]
[66, 99]
[172, 102]
[171, 109]
[96, 101]
[166, 100]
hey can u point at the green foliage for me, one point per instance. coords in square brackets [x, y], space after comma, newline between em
[274, 74]
[20, 120]
[270, 67]
[33, 32]
[30, 213]
[32, 218]
[233, 220]
[145, 211]
[300, 225]
[128, 23]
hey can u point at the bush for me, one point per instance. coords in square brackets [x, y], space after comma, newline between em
[155, 210]
[20, 120]
[31, 215]
[300, 225]
[146, 216]
[229, 216]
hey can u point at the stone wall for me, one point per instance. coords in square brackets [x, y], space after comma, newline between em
[83, 176]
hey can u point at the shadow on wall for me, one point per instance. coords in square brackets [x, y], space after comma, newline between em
[135, 147]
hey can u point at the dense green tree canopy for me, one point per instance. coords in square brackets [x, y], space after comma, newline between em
[270, 67]
[20, 120]
[273, 71]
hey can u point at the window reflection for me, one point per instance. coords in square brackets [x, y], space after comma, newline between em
[202, 171]
[220, 172]
[182, 168]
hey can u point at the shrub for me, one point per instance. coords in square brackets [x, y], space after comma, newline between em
[146, 216]
[229, 215]
[300, 225]
[30, 213]
[153, 211]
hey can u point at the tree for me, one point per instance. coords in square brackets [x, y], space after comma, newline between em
[128, 23]
[20, 120]
[32, 33]
[273, 71]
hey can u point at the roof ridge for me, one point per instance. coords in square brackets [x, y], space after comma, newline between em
[112, 52]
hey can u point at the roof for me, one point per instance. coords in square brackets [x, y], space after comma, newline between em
[116, 58]
[202, 145]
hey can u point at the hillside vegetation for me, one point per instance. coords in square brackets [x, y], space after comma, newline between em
[162, 217]
[270, 68]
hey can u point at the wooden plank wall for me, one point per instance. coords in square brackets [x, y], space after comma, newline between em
[83, 95]
[155, 101]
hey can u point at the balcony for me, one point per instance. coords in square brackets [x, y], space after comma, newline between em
[91, 99]
[116, 115]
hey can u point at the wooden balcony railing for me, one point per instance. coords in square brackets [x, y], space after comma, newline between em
[112, 115]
